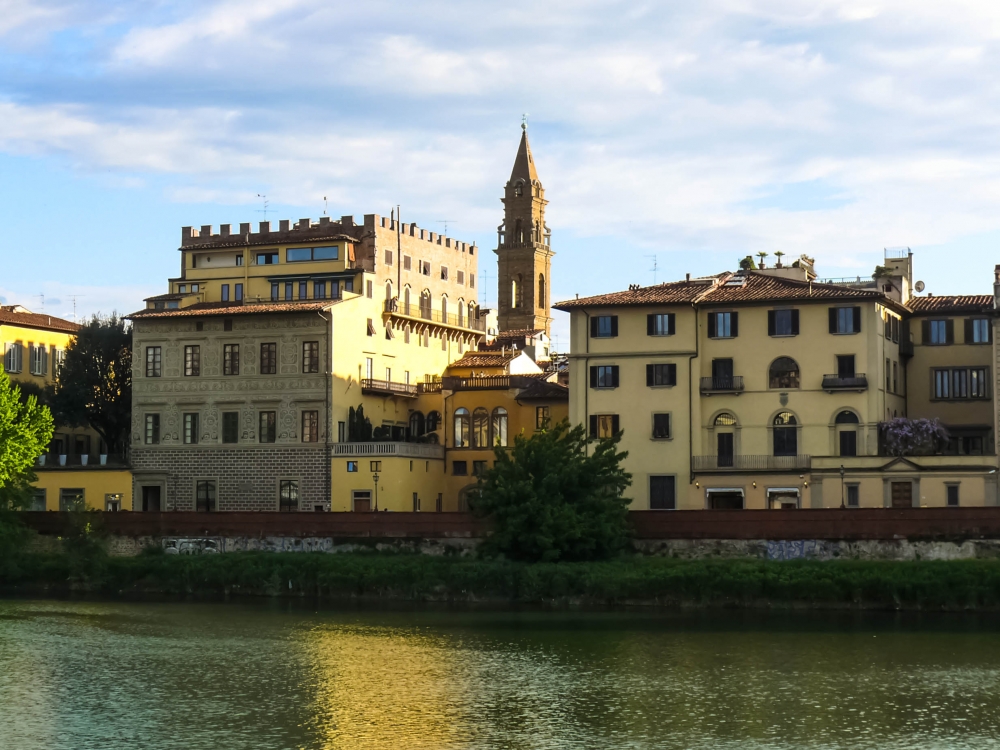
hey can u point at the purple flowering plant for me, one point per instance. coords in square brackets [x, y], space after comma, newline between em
[913, 437]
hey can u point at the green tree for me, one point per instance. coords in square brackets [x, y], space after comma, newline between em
[94, 386]
[551, 501]
[25, 432]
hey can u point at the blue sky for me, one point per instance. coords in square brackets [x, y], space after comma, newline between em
[694, 132]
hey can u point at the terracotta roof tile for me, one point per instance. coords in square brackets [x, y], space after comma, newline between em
[36, 320]
[520, 333]
[486, 359]
[545, 391]
[290, 237]
[203, 309]
[676, 292]
[966, 303]
[759, 287]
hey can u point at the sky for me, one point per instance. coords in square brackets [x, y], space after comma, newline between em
[681, 136]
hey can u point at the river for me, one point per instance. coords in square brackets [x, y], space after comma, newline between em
[248, 675]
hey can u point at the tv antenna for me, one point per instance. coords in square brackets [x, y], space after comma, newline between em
[266, 204]
[446, 222]
[74, 297]
[655, 266]
[485, 286]
[324, 205]
[42, 298]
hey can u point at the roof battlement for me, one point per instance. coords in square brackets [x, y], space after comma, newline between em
[307, 230]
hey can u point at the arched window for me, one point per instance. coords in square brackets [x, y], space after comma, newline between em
[425, 305]
[461, 313]
[541, 290]
[444, 308]
[518, 233]
[725, 420]
[515, 292]
[847, 417]
[518, 189]
[406, 301]
[786, 435]
[480, 428]
[519, 297]
[498, 427]
[416, 424]
[388, 290]
[461, 427]
[784, 373]
[725, 440]
[847, 434]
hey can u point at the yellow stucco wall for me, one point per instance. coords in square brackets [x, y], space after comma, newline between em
[96, 483]
[399, 479]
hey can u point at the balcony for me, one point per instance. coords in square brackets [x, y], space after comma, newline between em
[73, 461]
[436, 317]
[751, 463]
[388, 449]
[387, 388]
[856, 382]
[728, 384]
[487, 382]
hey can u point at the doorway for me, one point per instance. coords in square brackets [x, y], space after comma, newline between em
[151, 498]
[724, 444]
[725, 500]
[902, 494]
[361, 501]
[783, 499]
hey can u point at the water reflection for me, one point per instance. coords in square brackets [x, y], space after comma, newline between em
[82, 675]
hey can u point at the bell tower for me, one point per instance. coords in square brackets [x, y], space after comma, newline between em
[524, 253]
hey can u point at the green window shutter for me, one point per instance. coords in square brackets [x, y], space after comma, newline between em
[734, 328]
[925, 332]
[833, 320]
[795, 322]
[614, 325]
[650, 325]
[615, 427]
[949, 327]
[670, 323]
[593, 425]
[593, 377]
[672, 374]
[712, 329]
[649, 375]
[772, 327]
[857, 319]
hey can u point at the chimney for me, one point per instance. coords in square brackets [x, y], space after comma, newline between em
[186, 234]
[265, 227]
[305, 223]
[687, 278]
[996, 288]
[245, 228]
[224, 229]
[324, 220]
[347, 221]
[283, 225]
[206, 230]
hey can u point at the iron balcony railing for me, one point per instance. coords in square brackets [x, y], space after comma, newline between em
[389, 448]
[92, 460]
[751, 463]
[431, 315]
[487, 382]
[856, 382]
[730, 384]
[387, 387]
[434, 386]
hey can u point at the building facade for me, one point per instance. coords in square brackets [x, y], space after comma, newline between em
[769, 389]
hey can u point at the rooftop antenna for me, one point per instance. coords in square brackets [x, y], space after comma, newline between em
[73, 297]
[653, 269]
[266, 204]
[485, 285]
[324, 205]
[445, 222]
[42, 297]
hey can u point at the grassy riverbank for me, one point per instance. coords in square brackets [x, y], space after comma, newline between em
[968, 584]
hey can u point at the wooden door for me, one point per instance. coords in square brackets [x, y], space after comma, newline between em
[725, 449]
[902, 494]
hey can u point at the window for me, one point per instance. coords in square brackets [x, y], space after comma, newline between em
[604, 425]
[12, 359]
[961, 383]
[341, 432]
[303, 290]
[978, 331]
[661, 426]
[205, 496]
[152, 429]
[723, 325]
[604, 376]
[782, 322]
[225, 292]
[239, 290]
[310, 426]
[369, 289]
[661, 375]
[230, 427]
[371, 327]
[541, 291]
[231, 359]
[444, 273]
[288, 495]
[227, 324]
[662, 493]
[478, 468]
[268, 426]
[388, 256]
[604, 326]
[369, 368]
[433, 421]
[498, 427]
[299, 254]
[853, 492]
[71, 499]
[113, 502]
[939, 332]
[310, 356]
[542, 417]
[952, 495]
[460, 277]
[784, 373]
[462, 423]
[406, 262]
[785, 434]
[480, 428]
[274, 292]
[289, 290]
[352, 466]
[268, 359]
[895, 329]
[267, 259]
[190, 429]
[319, 289]
[460, 468]
[349, 285]
[724, 420]
[39, 356]
[845, 320]
[192, 360]
[660, 324]
[888, 376]
[182, 289]
[848, 442]
[153, 362]
[895, 376]
[845, 366]
[425, 268]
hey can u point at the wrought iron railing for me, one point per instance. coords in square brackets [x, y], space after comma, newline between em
[422, 312]
[389, 448]
[388, 387]
[56, 460]
[856, 382]
[486, 382]
[722, 384]
[751, 463]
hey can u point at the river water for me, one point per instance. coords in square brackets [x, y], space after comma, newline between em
[103, 675]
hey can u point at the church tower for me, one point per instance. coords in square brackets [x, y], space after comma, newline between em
[523, 249]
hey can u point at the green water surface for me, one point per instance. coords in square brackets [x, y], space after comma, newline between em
[79, 675]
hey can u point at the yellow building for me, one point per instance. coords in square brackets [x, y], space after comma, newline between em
[769, 389]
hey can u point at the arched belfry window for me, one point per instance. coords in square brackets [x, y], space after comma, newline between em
[784, 373]
[541, 290]
[519, 297]
[518, 189]
[514, 291]
[518, 231]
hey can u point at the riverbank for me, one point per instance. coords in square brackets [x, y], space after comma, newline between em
[928, 585]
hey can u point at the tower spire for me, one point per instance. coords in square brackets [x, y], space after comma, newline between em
[524, 164]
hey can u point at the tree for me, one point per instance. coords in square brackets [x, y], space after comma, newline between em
[551, 501]
[25, 432]
[912, 437]
[94, 386]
